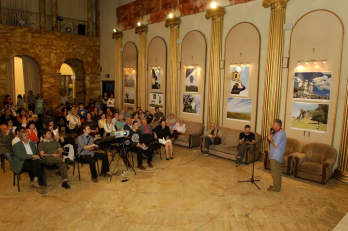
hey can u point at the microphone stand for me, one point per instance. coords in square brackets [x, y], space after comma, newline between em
[252, 180]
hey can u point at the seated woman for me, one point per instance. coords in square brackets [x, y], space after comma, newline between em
[109, 113]
[10, 126]
[120, 123]
[22, 118]
[108, 127]
[92, 124]
[74, 122]
[171, 121]
[101, 123]
[33, 134]
[162, 134]
[136, 118]
[55, 133]
[178, 129]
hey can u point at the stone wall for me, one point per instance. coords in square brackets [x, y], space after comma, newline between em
[51, 50]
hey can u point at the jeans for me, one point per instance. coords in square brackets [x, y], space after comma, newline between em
[92, 159]
[241, 150]
[50, 161]
[208, 142]
[34, 168]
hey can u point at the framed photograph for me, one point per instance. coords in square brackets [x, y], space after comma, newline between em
[155, 79]
[191, 80]
[239, 109]
[156, 99]
[312, 86]
[129, 95]
[129, 80]
[192, 104]
[240, 81]
[310, 116]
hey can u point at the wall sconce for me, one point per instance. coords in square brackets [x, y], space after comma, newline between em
[155, 67]
[128, 68]
[239, 64]
[191, 66]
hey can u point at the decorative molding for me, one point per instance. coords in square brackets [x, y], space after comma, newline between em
[117, 35]
[173, 22]
[215, 13]
[141, 29]
[275, 4]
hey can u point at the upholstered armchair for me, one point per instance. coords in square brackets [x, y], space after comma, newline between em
[292, 145]
[315, 162]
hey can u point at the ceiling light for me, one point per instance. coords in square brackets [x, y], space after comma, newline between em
[115, 30]
[139, 24]
[171, 15]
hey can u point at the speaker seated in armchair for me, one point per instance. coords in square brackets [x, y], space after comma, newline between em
[292, 146]
[315, 162]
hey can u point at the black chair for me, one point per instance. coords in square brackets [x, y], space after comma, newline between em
[2, 158]
[79, 161]
[150, 141]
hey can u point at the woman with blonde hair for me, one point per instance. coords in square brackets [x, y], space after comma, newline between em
[178, 129]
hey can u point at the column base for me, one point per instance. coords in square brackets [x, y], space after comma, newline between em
[341, 176]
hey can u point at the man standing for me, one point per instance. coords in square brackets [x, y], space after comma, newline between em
[51, 154]
[138, 146]
[246, 138]
[31, 101]
[27, 159]
[210, 135]
[277, 141]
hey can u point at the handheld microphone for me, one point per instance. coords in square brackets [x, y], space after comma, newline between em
[272, 131]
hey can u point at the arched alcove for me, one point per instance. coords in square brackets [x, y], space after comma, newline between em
[157, 74]
[130, 74]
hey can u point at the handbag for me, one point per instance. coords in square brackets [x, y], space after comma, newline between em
[217, 140]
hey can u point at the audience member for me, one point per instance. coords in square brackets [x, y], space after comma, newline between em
[92, 124]
[55, 131]
[8, 100]
[91, 105]
[109, 127]
[145, 128]
[10, 126]
[22, 118]
[126, 113]
[95, 114]
[31, 101]
[105, 101]
[139, 147]
[171, 121]
[210, 135]
[148, 116]
[129, 125]
[120, 123]
[6, 137]
[27, 159]
[20, 103]
[16, 139]
[108, 113]
[39, 107]
[115, 119]
[38, 124]
[7, 116]
[101, 123]
[82, 112]
[74, 122]
[32, 131]
[63, 98]
[99, 103]
[162, 134]
[49, 112]
[136, 118]
[158, 117]
[59, 115]
[141, 114]
[111, 103]
[85, 151]
[178, 129]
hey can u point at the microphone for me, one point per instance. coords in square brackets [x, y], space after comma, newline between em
[272, 131]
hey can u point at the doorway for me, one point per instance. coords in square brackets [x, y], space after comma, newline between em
[109, 87]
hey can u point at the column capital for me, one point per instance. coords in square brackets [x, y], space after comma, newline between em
[215, 13]
[275, 4]
[141, 29]
[173, 22]
[117, 35]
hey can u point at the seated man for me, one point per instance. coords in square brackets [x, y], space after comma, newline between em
[139, 146]
[27, 159]
[51, 154]
[128, 126]
[157, 118]
[17, 139]
[126, 113]
[6, 137]
[246, 138]
[85, 149]
[210, 135]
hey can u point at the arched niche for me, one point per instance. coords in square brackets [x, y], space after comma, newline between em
[242, 59]
[192, 80]
[313, 78]
[157, 74]
[130, 75]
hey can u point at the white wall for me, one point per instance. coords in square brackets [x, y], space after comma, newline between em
[252, 12]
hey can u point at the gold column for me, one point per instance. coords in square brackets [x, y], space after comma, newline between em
[273, 77]
[172, 79]
[42, 18]
[142, 96]
[97, 17]
[90, 17]
[54, 9]
[341, 173]
[118, 69]
[214, 81]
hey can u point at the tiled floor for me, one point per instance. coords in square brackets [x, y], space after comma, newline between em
[192, 192]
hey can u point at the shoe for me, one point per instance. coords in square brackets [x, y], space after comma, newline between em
[149, 164]
[236, 163]
[105, 174]
[65, 185]
[167, 158]
[140, 166]
[41, 190]
[172, 157]
[270, 189]
[95, 180]
[35, 185]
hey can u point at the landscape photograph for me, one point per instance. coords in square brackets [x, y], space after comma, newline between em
[129, 95]
[239, 109]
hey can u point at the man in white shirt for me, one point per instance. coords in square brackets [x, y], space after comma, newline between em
[17, 131]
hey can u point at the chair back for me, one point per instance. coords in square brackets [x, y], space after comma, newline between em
[194, 127]
[292, 145]
[319, 153]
